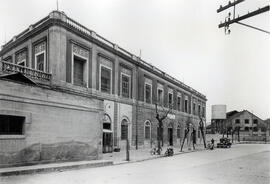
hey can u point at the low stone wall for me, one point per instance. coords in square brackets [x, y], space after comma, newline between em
[58, 126]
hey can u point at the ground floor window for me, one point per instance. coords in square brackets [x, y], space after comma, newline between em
[178, 132]
[147, 130]
[11, 125]
[124, 129]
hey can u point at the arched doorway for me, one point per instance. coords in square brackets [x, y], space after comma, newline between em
[107, 140]
[125, 133]
[147, 134]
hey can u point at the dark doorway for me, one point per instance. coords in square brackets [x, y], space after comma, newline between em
[161, 135]
[170, 136]
[107, 142]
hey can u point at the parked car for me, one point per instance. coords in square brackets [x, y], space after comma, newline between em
[224, 143]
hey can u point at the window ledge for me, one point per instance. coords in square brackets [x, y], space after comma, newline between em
[12, 137]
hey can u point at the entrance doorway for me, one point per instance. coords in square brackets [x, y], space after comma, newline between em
[170, 136]
[107, 141]
[160, 134]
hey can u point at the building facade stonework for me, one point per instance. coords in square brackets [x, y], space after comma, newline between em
[66, 88]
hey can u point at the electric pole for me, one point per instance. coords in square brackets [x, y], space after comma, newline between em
[236, 19]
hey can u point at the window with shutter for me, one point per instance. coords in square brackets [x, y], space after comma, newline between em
[78, 72]
[105, 80]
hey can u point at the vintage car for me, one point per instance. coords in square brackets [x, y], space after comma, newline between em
[224, 143]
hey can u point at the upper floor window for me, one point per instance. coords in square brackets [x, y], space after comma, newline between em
[148, 90]
[40, 56]
[79, 71]
[148, 93]
[178, 103]
[160, 96]
[203, 111]
[246, 121]
[255, 121]
[170, 99]
[199, 110]
[125, 85]
[186, 105]
[125, 82]
[194, 108]
[237, 121]
[105, 79]
[80, 66]
[11, 125]
[105, 75]
[21, 58]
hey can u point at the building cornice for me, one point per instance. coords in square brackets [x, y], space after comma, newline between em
[60, 19]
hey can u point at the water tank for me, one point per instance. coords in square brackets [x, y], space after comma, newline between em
[218, 111]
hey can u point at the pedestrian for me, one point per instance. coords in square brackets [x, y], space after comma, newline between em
[194, 138]
[213, 143]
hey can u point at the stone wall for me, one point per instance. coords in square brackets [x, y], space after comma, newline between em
[58, 126]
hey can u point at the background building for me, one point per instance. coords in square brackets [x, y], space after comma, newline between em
[251, 127]
[218, 117]
[75, 90]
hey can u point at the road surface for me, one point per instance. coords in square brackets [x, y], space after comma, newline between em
[247, 164]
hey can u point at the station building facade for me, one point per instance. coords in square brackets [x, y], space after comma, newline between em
[67, 93]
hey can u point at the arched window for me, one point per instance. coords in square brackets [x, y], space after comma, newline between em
[124, 129]
[178, 132]
[147, 130]
[107, 122]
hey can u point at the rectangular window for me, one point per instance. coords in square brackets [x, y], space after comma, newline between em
[40, 56]
[199, 110]
[246, 128]
[186, 106]
[125, 86]
[11, 125]
[40, 62]
[148, 93]
[246, 121]
[78, 71]
[255, 129]
[160, 96]
[237, 121]
[170, 99]
[105, 79]
[203, 112]
[178, 103]
[194, 108]
[255, 121]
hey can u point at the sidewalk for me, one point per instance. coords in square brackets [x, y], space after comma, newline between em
[144, 154]
[53, 167]
[114, 158]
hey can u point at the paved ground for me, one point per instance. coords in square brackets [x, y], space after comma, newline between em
[240, 164]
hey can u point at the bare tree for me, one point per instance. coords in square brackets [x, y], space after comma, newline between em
[201, 127]
[160, 117]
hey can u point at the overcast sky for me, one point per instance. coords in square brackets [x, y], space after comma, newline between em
[180, 37]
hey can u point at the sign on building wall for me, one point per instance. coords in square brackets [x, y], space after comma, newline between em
[171, 116]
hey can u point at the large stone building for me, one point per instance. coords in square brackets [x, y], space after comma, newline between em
[251, 127]
[68, 93]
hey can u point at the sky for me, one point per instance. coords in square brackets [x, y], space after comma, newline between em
[180, 37]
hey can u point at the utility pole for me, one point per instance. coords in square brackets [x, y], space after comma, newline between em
[228, 20]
